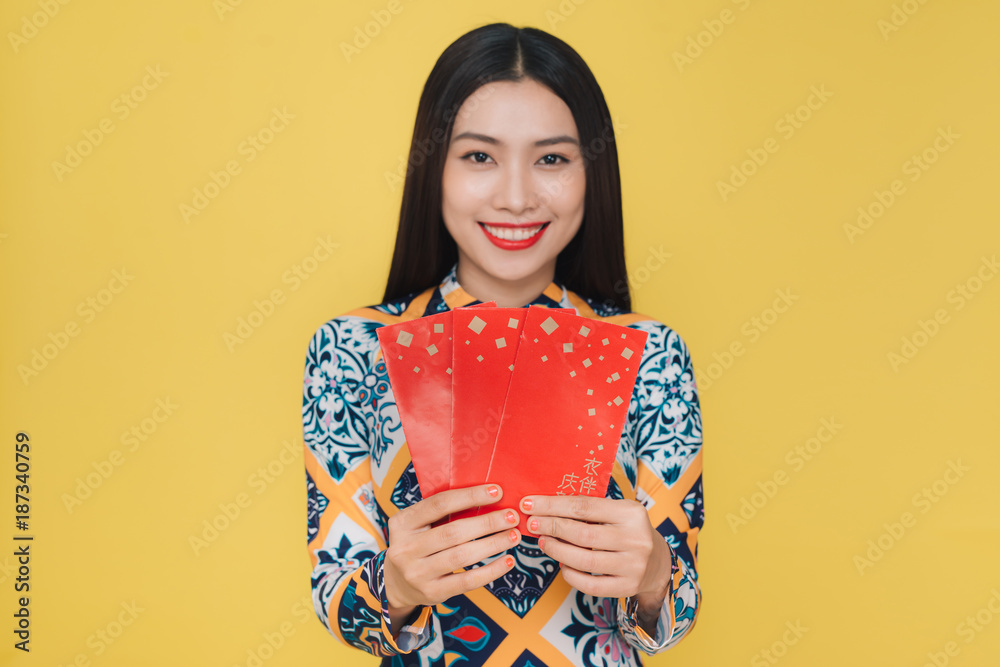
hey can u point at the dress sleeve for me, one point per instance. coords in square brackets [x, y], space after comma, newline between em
[669, 482]
[347, 530]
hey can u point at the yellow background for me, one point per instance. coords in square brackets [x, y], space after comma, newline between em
[681, 127]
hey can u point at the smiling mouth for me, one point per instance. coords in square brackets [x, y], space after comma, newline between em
[513, 233]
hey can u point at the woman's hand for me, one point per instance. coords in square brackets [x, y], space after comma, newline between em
[601, 536]
[424, 565]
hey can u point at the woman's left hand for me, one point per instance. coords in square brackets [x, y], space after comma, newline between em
[592, 536]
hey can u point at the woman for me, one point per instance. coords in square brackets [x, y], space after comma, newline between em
[512, 195]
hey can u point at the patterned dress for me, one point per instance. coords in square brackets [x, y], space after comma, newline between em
[359, 473]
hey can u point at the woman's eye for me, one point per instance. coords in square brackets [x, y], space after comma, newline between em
[473, 156]
[557, 158]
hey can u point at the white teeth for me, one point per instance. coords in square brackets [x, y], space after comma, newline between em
[512, 234]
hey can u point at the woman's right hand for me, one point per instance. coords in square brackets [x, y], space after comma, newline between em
[424, 565]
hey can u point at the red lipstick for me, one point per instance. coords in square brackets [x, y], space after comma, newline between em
[507, 244]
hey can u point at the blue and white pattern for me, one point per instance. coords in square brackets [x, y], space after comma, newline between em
[316, 503]
[669, 425]
[591, 625]
[335, 425]
[533, 571]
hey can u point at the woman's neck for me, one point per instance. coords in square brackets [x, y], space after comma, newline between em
[507, 293]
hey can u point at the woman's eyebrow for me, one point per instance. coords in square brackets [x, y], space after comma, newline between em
[561, 139]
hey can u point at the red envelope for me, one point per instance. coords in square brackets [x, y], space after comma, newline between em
[485, 345]
[566, 406]
[493, 409]
[417, 356]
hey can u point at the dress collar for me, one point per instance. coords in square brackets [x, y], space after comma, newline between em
[454, 295]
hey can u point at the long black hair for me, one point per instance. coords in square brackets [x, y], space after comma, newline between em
[593, 262]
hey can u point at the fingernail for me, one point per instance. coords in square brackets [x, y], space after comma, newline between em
[527, 504]
[493, 491]
[541, 542]
[533, 525]
[510, 516]
[510, 561]
[513, 536]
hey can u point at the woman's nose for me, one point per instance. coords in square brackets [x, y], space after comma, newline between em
[516, 190]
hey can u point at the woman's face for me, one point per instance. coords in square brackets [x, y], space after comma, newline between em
[513, 185]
